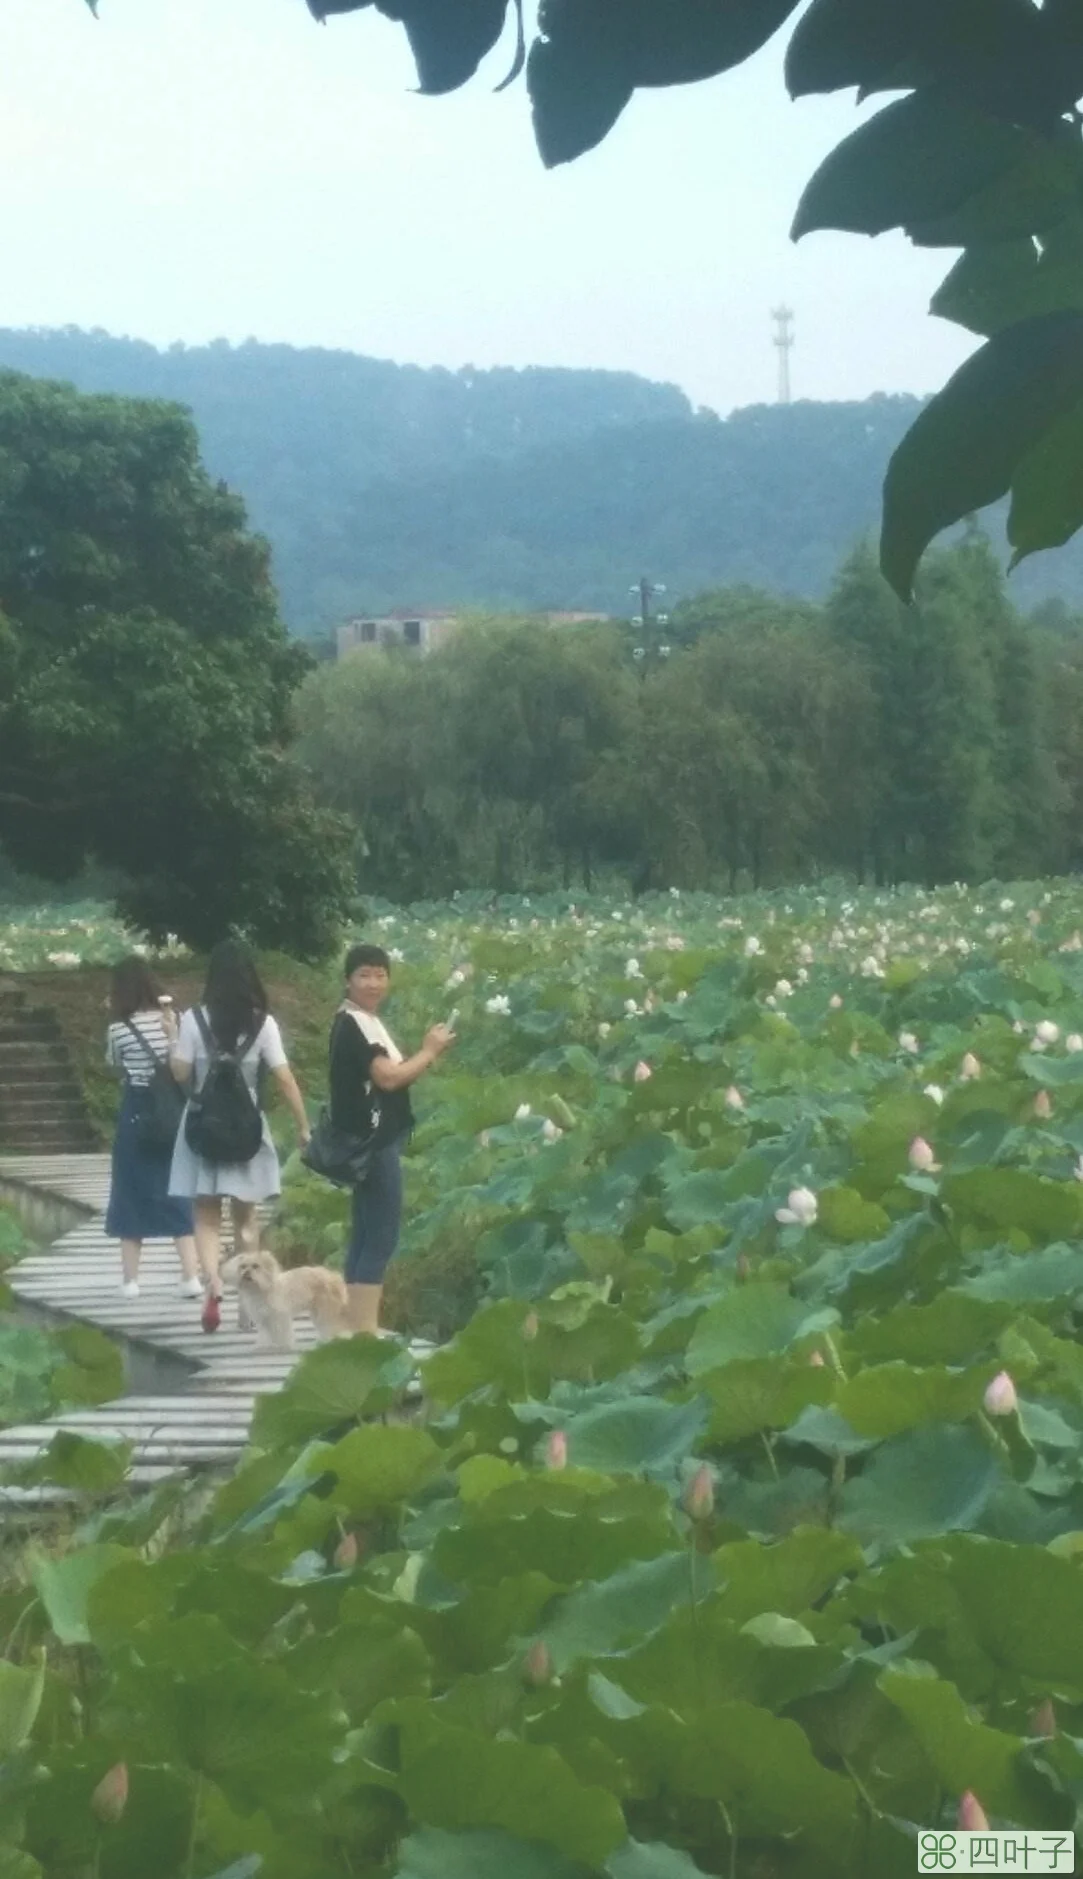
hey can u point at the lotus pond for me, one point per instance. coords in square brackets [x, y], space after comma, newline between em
[741, 1532]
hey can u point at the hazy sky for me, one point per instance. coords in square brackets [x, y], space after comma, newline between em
[184, 169]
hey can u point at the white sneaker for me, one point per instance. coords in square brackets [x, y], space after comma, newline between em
[192, 1288]
[129, 1289]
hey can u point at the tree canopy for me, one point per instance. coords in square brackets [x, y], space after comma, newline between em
[984, 152]
[146, 682]
[773, 741]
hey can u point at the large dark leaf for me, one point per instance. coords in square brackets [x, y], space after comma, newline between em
[943, 171]
[593, 53]
[997, 283]
[1000, 54]
[964, 449]
[448, 38]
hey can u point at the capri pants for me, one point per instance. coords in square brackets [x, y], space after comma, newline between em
[376, 1218]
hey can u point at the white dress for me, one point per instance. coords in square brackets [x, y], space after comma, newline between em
[256, 1180]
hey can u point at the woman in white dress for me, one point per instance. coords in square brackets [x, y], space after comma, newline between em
[236, 1015]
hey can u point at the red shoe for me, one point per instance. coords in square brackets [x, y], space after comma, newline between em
[212, 1312]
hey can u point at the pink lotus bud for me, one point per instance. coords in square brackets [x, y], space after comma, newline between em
[530, 1327]
[346, 1553]
[110, 1797]
[1000, 1398]
[969, 1068]
[556, 1450]
[642, 1071]
[1043, 1106]
[971, 1816]
[1043, 1720]
[699, 1494]
[537, 1664]
[816, 1359]
[922, 1157]
[835, 1002]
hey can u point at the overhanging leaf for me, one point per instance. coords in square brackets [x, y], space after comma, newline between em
[964, 449]
[592, 54]
[926, 158]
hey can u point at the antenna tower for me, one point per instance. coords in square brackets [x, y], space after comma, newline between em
[784, 340]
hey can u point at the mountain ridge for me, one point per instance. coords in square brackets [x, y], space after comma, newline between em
[382, 485]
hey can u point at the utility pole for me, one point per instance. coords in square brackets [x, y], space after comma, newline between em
[784, 340]
[646, 590]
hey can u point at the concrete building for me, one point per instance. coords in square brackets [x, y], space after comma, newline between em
[424, 631]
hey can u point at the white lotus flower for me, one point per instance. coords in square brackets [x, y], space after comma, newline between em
[604, 1029]
[550, 1132]
[396, 955]
[633, 970]
[522, 1112]
[800, 1210]
[934, 1092]
[500, 1005]
[458, 977]
[631, 1008]
[970, 1068]
[734, 1099]
[1006, 906]
[1047, 1032]
[675, 943]
[908, 1042]
[753, 947]
[1073, 1042]
[68, 959]
[681, 996]
[783, 989]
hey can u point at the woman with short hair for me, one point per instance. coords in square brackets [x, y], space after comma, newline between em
[234, 1018]
[366, 1063]
[143, 1027]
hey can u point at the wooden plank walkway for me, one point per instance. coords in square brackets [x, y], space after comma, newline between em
[205, 1421]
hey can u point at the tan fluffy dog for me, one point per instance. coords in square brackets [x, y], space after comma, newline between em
[268, 1299]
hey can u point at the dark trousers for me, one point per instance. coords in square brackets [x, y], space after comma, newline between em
[376, 1218]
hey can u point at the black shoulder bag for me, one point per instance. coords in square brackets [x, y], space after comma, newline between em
[339, 1155]
[159, 1103]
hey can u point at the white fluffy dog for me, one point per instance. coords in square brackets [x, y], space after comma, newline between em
[268, 1299]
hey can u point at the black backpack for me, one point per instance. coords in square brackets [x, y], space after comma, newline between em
[159, 1103]
[224, 1125]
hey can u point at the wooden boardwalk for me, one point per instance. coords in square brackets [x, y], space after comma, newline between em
[199, 1415]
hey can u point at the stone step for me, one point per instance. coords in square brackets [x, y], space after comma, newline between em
[19, 1051]
[30, 1029]
[22, 1106]
[47, 1138]
[44, 1071]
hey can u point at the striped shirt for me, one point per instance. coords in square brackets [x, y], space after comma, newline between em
[124, 1053]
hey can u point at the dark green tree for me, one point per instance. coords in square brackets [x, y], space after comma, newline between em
[146, 682]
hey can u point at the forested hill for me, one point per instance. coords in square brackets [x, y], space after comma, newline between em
[384, 486]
